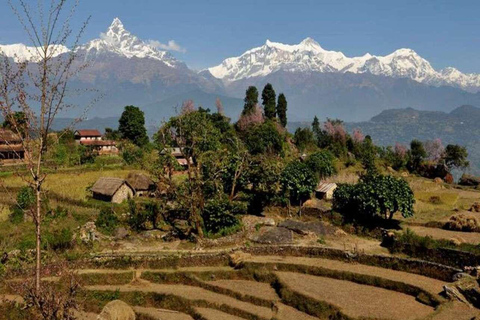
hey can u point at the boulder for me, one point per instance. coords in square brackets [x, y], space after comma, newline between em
[469, 180]
[275, 235]
[464, 289]
[438, 180]
[117, 310]
[121, 233]
[88, 232]
[475, 207]
[317, 227]
[182, 228]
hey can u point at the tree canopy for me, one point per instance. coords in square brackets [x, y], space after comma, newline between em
[132, 126]
[269, 101]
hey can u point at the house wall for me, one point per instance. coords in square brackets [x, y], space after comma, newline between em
[123, 193]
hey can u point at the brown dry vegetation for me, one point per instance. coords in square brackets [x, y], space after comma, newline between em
[357, 300]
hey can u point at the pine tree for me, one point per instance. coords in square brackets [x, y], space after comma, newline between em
[251, 100]
[316, 127]
[269, 97]
[282, 109]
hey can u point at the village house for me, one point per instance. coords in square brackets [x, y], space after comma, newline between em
[177, 153]
[143, 185]
[93, 138]
[113, 190]
[325, 190]
[10, 146]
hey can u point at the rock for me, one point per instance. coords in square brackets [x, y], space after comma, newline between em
[391, 170]
[269, 222]
[460, 275]
[465, 289]
[121, 233]
[237, 259]
[117, 310]
[469, 180]
[340, 233]
[438, 180]
[275, 235]
[317, 227]
[405, 174]
[88, 232]
[475, 207]
[154, 234]
[182, 228]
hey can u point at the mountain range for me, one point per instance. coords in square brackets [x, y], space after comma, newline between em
[127, 70]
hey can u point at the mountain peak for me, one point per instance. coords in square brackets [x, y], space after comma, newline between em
[116, 23]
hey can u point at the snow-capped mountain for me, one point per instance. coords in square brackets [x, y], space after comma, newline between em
[20, 52]
[117, 40]
[309, 56]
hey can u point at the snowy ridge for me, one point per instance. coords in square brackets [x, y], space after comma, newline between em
[20, 52]
[309, 56]
[116, 40]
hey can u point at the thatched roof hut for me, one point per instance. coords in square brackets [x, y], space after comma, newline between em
[114, 190]
[140, 182]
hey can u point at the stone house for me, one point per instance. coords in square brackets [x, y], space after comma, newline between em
[10, 146]
[177, 153]
[325, 190]
[113, 190]
[142, 184]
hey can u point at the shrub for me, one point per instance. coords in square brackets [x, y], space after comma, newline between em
[264, 138]
[107, 221]
[322, 164]
[25, 201]
[218, 215]
[375, 195]
[17, 215]
[59, 240]
[137, 218]
[298, 181]
[462, 222]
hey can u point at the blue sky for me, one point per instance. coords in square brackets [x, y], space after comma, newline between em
[447, 33]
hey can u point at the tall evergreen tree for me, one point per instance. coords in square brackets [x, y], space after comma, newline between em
[316, 127]
[251, 100]
[269, 101]
[282, 109]
[132, 126]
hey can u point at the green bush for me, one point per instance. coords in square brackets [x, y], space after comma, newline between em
[107, 221]
[17, 215]
[218, 216]
[322, 164]
[375, 195]
[298, 181]
[25, 201]
[59, 240]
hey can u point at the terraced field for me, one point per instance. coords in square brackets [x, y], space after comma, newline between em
[270, 287]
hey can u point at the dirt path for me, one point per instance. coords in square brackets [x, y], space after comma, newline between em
[213, 314]
[456, 311]
[357, 300]
[436, 233]
[251, 288]
[162, 314]
[190, 293]
[428, 284]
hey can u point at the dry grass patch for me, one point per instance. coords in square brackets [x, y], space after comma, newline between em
[356, 300]
[213, 314]
[162, 314]
[190, 293]
[249, 288]
[458, 236]
[430, 285]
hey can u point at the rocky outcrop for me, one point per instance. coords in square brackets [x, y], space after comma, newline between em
[319, 228]
[117, 310]
[465, 289]
[469, 180]
[275, 235]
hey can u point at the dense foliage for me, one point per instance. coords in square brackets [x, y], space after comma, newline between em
[132, 126]
[375, 195]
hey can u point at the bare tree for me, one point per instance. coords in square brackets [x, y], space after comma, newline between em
[39, 89]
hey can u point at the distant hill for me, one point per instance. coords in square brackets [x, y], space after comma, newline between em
[460, 126]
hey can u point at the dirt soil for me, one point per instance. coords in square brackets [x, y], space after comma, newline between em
[428, 284]
[190, 293]
[436, 233]
[162, 314]
[213, 314]
[456, 311]
[251, 288]
[357, 300]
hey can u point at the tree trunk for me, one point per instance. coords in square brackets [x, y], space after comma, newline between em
[38, 238]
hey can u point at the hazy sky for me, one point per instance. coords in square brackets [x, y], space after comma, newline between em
[447, 33]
